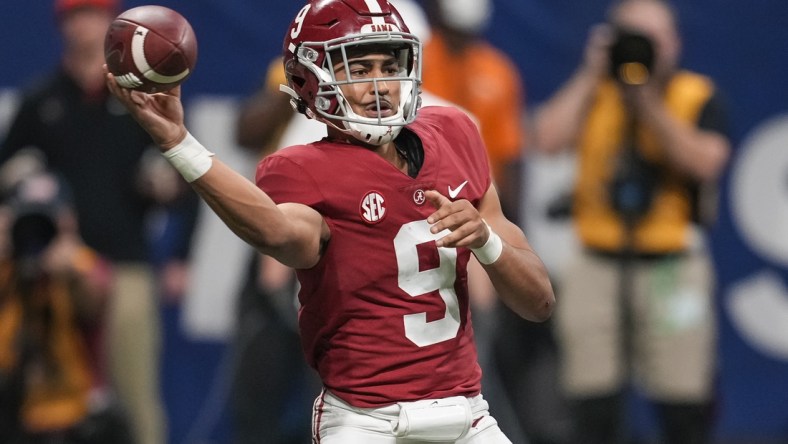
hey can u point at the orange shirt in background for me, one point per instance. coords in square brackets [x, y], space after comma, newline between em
[487, 84]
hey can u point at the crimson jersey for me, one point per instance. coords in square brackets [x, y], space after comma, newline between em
[384, 314]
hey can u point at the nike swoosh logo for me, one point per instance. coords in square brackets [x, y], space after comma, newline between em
[453, 193]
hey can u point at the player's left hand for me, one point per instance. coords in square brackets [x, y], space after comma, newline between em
[461, 218]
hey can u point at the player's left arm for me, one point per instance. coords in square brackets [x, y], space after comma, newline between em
[518, 274]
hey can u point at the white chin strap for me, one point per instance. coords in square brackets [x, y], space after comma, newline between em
[374, 131]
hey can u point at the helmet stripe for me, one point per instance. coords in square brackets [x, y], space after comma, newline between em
[374, 8]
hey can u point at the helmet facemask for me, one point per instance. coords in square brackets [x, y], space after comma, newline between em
[331, 105]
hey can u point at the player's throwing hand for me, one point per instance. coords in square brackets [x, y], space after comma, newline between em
[161, 114]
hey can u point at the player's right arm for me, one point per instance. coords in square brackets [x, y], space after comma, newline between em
[291, 233]
[294, 234]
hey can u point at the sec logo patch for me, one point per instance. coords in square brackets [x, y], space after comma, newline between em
[373, 207]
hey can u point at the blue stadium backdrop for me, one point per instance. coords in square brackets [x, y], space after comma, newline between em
[743, 45]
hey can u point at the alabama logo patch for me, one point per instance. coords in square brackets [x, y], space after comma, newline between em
[418, 197]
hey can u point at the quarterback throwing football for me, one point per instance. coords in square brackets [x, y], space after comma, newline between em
[380, 219]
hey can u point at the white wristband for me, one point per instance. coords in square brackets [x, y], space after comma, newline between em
[491, 250]
[190, 158]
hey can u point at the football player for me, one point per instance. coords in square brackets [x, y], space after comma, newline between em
[380, 219]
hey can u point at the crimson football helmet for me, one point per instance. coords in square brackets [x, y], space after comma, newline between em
[320, 38]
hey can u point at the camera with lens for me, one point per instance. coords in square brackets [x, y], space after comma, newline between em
[32, 233]
[36, 203]
[633, 185]
[631, 57]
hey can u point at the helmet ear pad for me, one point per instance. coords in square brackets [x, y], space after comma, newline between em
[311, 83]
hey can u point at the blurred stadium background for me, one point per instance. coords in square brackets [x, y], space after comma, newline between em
[743, 45]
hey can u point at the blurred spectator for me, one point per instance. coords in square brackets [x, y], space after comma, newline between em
[89, 138]
[637, 302]
[53, 294]
[265, 115]
[482, 80]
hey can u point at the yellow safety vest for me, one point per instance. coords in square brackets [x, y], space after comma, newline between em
[57, 398]
[664, 228]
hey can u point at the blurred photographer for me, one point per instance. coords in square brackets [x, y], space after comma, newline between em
[53, 291]
[637, 304]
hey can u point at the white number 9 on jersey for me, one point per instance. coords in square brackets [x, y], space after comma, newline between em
[418, 283]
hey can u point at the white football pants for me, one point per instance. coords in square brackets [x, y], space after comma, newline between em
[336, 422]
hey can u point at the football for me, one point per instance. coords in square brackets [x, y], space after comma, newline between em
[150, 48]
